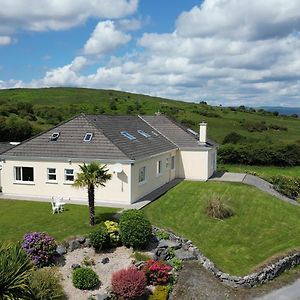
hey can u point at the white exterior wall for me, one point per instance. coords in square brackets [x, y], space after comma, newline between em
[212, 162]
[117, 190]
[153, 180]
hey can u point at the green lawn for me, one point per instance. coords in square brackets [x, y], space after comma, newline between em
[263, 171]
[18, 217]
[262, 227]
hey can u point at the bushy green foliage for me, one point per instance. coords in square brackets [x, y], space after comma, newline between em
[176, 263]
[218, 209]
[85, 278]
[161, 292]
[45, 284]
[135, 228]
[162, 235]
[99, 237]
[287, 185]
[15, 271]
[233, 138]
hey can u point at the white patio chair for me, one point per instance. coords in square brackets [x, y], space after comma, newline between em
[55, 207]
[60, 204]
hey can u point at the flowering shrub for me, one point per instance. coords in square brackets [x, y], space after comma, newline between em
[129, 283]
[113, 231]
[157, 272]
[40, 247]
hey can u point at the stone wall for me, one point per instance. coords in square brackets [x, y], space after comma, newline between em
[264, 275]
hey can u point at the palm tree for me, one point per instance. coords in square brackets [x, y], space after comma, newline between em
[92, 175]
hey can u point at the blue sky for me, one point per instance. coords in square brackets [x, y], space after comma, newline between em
[226, 52]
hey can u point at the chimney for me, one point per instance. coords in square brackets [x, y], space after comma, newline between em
[202, 132]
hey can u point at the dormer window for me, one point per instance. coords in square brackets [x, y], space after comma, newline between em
[54, 136]
[144, 134]
[128, 135]
[88, 137]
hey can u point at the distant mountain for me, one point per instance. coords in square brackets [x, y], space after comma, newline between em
[283, 110]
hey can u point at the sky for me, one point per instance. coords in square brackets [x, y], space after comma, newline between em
[229, 52]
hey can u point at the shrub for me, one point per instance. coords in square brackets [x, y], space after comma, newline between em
[135, 228]
[289, 186]
[15, 270]
[162, 235]
[157, 272]
[45, 284]
[113, 232]
[176, 263]
[233, 138]
[40, 247]
[216, 208]
[85, 278]
[129, 283]
[161, 292]
[99, 237]
[87, 261]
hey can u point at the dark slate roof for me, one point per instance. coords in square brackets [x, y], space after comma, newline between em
[141, 147]
[70, 143]
[4, 146]
[176, 133]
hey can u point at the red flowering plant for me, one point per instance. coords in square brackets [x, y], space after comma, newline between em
[157, 272]
[40, 247]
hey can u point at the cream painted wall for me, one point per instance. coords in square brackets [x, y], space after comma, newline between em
[153, 181]
[193, 165]
[212, 162]
[117, 190]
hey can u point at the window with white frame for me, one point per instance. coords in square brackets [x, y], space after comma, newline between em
[69, 175]
[142, 174]
[173, 163]
[51, 174]
[24, 174]
[167, 163]
[159, 167]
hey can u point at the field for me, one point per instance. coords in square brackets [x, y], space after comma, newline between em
[53, 105]
[261, 228]
[19, 217]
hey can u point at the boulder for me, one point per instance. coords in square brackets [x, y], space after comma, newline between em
[168, 244]
[73, 245]
[87, 243]
[184, 255]
[61, 249]
[105, 260]
[101, 297]
[75, 266]
[81, 239]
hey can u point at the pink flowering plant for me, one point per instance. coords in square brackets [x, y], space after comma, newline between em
[40, 247]
[157, 272]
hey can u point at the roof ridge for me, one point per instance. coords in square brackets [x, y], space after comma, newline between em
[101, 131]
[157, 130]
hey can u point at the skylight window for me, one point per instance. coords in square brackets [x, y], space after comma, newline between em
[128, 135]
[144, 134]
[88, 137]
[54, 136]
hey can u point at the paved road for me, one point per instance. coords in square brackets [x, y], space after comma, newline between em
[290, 292]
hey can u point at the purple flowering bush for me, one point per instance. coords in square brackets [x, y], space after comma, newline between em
[40, 247]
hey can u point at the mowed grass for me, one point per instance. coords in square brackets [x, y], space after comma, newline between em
[18, 217]
[262, 226]
[263, 171]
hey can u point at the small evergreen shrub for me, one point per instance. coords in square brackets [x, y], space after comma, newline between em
[85, 278]
[176, 263]
[135, 228]
[286, 185]
[40, 247]
[15, 271]
[216, 208]
[45, 284]
[99, 237]
[161, 292]
[129, 283]
[113, 232]
[233, 138]
[157, 272]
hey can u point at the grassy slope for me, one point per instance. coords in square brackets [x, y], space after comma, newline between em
[19, 217]
[87, 99]
[263, 226]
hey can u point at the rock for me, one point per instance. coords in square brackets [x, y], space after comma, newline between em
[168, 244]
[184, 255]
[139, 264]
[101, 297]
[161, 254]
[61, 249]
[105, 260]
[87, 243]
[81, 239]
[73, 245]
[75, 266]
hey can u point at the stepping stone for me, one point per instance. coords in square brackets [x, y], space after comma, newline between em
[184, 254]
[168, 244]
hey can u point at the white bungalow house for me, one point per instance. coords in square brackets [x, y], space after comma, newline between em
[142, 153]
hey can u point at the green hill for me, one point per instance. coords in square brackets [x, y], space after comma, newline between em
[43, 108]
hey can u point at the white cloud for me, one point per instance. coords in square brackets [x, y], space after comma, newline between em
[105, 38]
[129, 24]
[41, 15]
[5, 40]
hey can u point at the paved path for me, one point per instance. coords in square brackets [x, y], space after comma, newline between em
[290, 292]
[254, 181]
